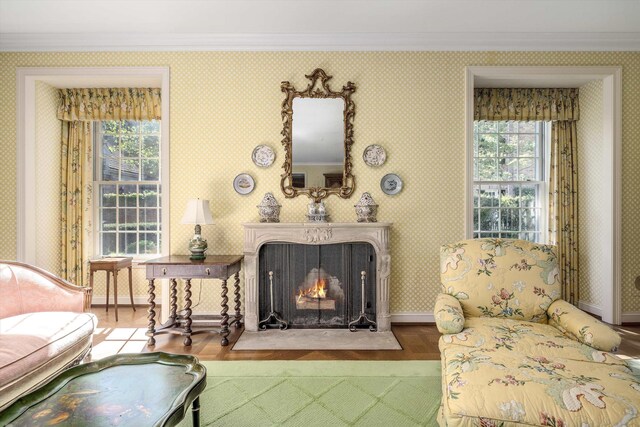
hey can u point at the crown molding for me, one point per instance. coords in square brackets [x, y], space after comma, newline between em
[436, 41]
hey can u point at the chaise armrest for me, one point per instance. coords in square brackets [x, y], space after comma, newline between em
[582, 327]
[448, 314]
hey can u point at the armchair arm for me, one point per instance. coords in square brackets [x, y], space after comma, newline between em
[580, 326]
[448, 314]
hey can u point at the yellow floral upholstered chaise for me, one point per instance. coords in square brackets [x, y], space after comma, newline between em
[513, 353]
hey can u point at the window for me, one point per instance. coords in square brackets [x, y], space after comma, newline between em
[127, 187]
[509, 188]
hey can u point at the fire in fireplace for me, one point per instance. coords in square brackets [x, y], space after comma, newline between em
[319, 291]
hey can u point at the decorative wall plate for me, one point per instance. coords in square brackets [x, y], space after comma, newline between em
[391, 184]
[243, 183]
[374, 155]
[263, 156]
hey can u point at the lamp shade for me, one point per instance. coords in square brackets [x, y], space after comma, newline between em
[197, 212]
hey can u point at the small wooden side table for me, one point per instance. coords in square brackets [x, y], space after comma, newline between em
[112, 266]
[175, 267]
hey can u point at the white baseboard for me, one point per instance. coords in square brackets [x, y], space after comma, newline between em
[122, 300]
[412, 317]
[631, 317]
[590, 308]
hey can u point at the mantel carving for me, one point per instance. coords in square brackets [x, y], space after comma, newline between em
[313, 235]
[257, 234]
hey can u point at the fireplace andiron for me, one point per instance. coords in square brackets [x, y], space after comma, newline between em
[363, 316]
[272, 315]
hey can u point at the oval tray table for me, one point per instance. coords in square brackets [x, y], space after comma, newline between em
[147, 389]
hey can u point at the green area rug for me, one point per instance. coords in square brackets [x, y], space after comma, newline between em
[320, 393]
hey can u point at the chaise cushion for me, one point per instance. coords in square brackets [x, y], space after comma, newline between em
[35, 346]
[505, 372]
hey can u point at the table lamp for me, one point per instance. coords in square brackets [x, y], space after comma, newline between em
[197, 213]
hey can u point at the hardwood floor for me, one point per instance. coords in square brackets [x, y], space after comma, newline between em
[419, 342]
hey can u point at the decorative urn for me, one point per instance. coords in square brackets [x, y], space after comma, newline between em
[366, 209]
[269, 209]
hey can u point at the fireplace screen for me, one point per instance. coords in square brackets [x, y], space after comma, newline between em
[317, 286]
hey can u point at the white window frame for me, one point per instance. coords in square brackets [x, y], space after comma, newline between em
[543, 154]
[97, 241]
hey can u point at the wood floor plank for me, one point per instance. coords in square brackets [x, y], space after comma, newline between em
[418, 341]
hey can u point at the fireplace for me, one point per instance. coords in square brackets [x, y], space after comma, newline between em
[321, 284]
[316, 286]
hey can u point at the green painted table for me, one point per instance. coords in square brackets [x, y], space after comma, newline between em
[149, 389]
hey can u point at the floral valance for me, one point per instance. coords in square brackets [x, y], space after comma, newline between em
[526, 104]
[110, 104]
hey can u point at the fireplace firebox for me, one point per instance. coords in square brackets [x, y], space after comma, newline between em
[316, 286]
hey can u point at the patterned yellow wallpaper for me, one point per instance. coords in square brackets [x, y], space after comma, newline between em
[47, 178]
[590, 158]
[223, 104]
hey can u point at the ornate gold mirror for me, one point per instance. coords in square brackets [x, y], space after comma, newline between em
[318, 134]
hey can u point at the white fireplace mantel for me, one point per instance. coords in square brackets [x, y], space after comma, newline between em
[257, 234]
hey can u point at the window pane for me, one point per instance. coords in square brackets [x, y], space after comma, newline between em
[151, 146]
[487, 145]
[527, 170]
[128, 243]
[150, 170]
[529, 219]
[489, 219]
[150, 126]
[490, 196]
[108, 243]
[529, 127]
[476, 195]
[510, 219]
[149, 195]
[510, 196]
[529, 197]
[527, 145]
[110, 169]
[128, 220]
[148, 219]
[108, 194]
[130, 127]
[508, 169]
[130, 169]
[110, 126]
[487, 169]
[130, 146]
[109, 146]
[108, 219]
[507, 146]
[148, 243]
[128, 196]
[487, 126]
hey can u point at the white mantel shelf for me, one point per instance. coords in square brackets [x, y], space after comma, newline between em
[257, 234]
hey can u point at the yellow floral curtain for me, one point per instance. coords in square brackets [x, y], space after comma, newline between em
[562, 108]
[110, 104]
[76, 199]
[526, 104]
[77, 109]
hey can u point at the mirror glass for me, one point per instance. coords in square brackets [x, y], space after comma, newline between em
[317, 142]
